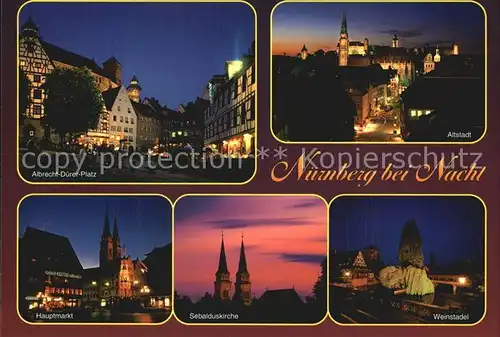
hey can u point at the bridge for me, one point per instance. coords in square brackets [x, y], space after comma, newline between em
[456, 281]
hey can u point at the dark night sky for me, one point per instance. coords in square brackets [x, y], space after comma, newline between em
[174, 49]
[143, 222]
[318, 25]
[451, 227]
[285, 234]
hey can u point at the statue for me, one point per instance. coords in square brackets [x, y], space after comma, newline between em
[411, 274]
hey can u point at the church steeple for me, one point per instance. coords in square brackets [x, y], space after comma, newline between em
[106, 246]
[222, 284]
[117, 251]
[115, 230]
[343, 46]
[106, 233]
[242, 267]
[243, 291]
[222, 258]
[343, 26]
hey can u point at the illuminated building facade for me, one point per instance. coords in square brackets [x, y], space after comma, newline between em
[360, 53]
[159, 276]
[118, 277]
[38, 58]
[149, 126]
[122, 118]
[242, 286]
[189, 129]
[50, 273]
[349, 270]
[367, 87]
[230, 118]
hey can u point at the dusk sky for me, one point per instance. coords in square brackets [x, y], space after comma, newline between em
[317, 25]
[285, 241]
[451, 227]
[174, 49]
[143, 222]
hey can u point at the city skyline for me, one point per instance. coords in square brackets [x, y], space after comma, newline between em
[144, 222]
[142, 36]
[317, 25]
[280, 233]
[460, 220]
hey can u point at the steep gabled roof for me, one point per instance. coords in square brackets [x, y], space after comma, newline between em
[59, 54]
[109, 97]
[284, 297]
[51, 247]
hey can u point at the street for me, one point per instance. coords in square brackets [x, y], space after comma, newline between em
[381, 127]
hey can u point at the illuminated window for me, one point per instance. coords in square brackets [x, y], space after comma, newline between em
[419, 113]
[413, 113]
[427, 112]
[37, 93]
[37, 109]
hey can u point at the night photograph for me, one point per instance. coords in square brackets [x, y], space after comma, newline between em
[378, 72]
[137, 92]
[407, 260]
[95, 259]
[250, 260]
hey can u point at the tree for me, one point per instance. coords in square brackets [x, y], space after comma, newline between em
[73, 103]
[24, 94]
[410, 246]
[319, 288]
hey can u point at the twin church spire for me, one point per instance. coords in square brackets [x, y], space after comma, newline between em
[222, 284]
[110, 249]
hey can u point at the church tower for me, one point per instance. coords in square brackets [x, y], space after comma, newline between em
[134, 90]
[395, 41]
[343, 43]
[428, 63]
[222, 284]
[114, 69]
[106, 248]
[437, 57]
[243, 285]
[117, 250]
[303, 53]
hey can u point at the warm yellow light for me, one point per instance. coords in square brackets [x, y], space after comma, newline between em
[136, 282]
[233, 67]
[247, 135]
[462, 280]
[347, 273]
[106, 284]
[94, 283]
[103, 303]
